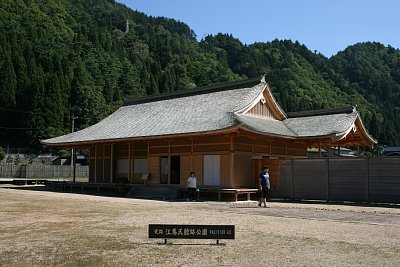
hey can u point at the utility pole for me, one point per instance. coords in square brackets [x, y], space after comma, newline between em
[73, 163]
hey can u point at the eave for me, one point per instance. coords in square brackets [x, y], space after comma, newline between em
[229, 130]
[356, 134]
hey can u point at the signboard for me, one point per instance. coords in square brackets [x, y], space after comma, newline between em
[183, 231]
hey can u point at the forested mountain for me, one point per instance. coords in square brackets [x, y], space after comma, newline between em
[60, 58]
[373, 70]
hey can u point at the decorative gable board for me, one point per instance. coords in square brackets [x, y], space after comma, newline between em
[261, 110]
[265, 106]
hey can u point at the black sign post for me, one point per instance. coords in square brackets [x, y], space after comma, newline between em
[187, 231]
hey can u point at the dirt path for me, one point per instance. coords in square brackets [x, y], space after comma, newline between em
[321, 212]
[59, 229]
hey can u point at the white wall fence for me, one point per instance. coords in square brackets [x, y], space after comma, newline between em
[42, 171]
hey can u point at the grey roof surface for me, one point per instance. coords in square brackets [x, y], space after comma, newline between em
[191, 114]
[204, 112]
[268, 126]
[323, 125]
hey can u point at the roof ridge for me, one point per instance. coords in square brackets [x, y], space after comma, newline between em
[217, 87]
[318, 112]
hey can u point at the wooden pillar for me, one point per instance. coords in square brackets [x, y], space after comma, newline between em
[95, 163]
[258, 172]
[292, 188]
[148, 161]
[327, 180]
[169, 162]
[286, 149]
[103, 170]
[232, 163]
[73, 164]
[129, 161]
[191, 157]
[368, 182]
[270, 149]
[169, 169]
[112, 164]
[319, 150]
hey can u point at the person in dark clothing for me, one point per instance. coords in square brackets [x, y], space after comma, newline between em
[264, 185]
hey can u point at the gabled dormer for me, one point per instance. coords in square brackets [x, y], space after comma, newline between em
[264, 106]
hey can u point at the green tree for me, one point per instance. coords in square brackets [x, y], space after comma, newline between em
[8, 85]
[130, 80]
[17, 160]
[2, 154]
[67, 57]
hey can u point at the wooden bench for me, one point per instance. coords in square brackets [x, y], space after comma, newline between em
[235, 191]
[187, 231]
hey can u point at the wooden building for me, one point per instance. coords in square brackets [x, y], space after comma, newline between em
[221, 132]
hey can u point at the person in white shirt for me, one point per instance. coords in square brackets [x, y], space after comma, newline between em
[191, 186]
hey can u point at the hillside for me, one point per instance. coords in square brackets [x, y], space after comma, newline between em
[83, 57]
[373, 70]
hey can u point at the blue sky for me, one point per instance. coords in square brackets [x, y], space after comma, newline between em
[327, 26]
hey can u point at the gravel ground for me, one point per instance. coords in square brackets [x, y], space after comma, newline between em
[40, 228]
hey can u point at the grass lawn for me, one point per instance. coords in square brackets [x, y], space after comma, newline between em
[40, 228]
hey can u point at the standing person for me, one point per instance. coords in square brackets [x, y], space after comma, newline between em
[191, 186]
[264, 185]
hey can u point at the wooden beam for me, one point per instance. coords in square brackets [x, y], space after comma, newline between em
[135, 139]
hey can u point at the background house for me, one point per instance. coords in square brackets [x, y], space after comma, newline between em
[391, 151]
[66, 160]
